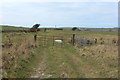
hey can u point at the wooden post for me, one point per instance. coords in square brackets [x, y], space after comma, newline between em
[35, 40]
[53, 40]
[45, 29]
[73, 39]
[62, 42]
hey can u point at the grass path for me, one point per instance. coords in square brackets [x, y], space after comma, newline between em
[54, 62]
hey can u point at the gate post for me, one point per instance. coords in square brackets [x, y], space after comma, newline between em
[35, 40]
[62, 42]
[53, 40]
[73, 39]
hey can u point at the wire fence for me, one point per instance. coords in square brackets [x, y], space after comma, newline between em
[81, 41]
[75, 40]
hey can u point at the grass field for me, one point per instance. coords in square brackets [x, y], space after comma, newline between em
[22, 60]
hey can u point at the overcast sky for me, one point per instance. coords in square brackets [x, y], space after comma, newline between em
[87, 13]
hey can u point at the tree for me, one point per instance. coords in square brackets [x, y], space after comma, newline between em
[74, 28]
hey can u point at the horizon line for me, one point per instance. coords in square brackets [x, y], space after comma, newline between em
[57, 26]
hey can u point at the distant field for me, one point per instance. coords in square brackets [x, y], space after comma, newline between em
[12, 28]
[21, 59]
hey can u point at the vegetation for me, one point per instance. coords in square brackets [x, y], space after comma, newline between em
[23, 60]
[74, 28]
[12, 28]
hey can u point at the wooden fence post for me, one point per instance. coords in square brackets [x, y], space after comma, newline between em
[35, 40]
[53, 40]
[73, 39]
[45, 29]
[62, 42]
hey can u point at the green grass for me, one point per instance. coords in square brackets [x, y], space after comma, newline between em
[56, 59]
[12, 28]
